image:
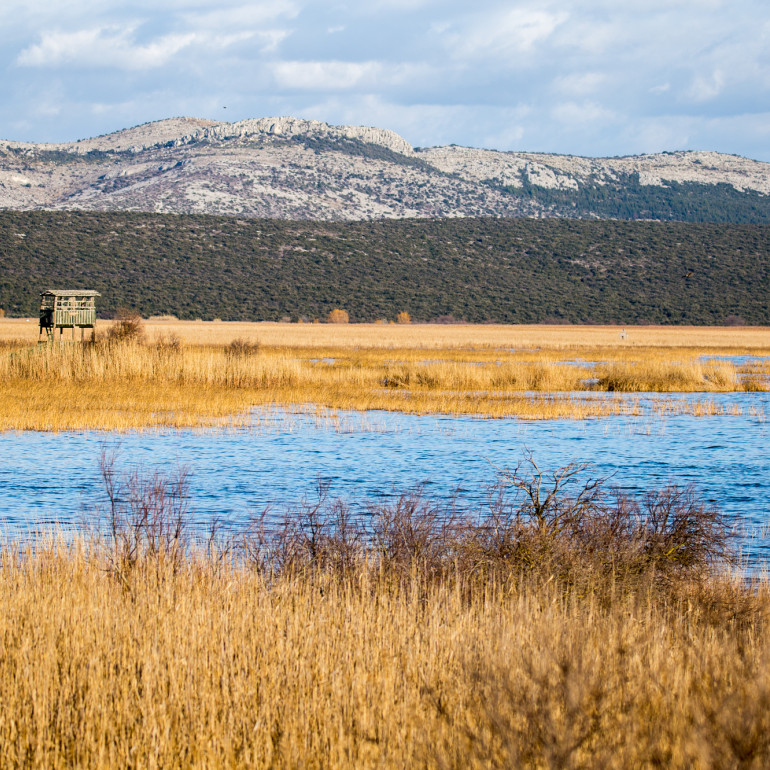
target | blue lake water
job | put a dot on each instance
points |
(47, 478)
(741, 360)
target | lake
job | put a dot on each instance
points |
(48, 478)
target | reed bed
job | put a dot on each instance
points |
(435, 336)
(214, 666)
(573, 630)
(119, 384)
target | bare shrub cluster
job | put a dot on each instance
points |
(559, 525)
(170, 344)
(241, 348)
(128, 327)
(147, 514)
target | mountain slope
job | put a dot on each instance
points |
(294, 169)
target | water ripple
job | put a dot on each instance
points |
(48, 477)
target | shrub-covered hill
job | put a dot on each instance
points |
(506, 270)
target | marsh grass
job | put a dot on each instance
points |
(131, 378)
(318, 644)
(530, 337)
(665, 376)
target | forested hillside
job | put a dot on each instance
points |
(506, 270)
(627, 198)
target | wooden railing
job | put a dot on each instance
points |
(78, 317)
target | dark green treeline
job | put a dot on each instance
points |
(476, 270)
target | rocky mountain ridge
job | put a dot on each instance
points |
(289, 168)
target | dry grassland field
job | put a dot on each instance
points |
(418, 336)
(569, 625)
(166, 372)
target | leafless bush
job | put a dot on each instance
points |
(544, 501)
(322, 535)
(560, 525)
(146, 517)
(679, 529)
(565, 524)
(410, 534)
(414, 532)
(170, 344)
(128, 327)
(534, 521)
(241, 348)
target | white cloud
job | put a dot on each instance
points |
(579, 114)
(426, 124)
(515, 31)
(509, 134)
(324, 75)
(47, 109)
(580, 83)
(271, 39)
(596, 76)
(116, 47)
(706, 87)
(242, 16)
(659, 134)
(101, 46)
(341, 75)
(397, 5)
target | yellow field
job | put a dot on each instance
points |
(207, 374)
(418, 336)
(207, 664)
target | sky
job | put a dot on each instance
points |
(583, 77)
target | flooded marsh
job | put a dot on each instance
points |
(259, 411)
(160, 379)
(369, 601)
(279, 457)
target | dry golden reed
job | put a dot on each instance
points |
(418, 336)
(211, 664)
(133, 386)
(173, 379)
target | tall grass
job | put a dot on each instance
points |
(119, 383)
(442, 336)
(317, 644)
(665, 376)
